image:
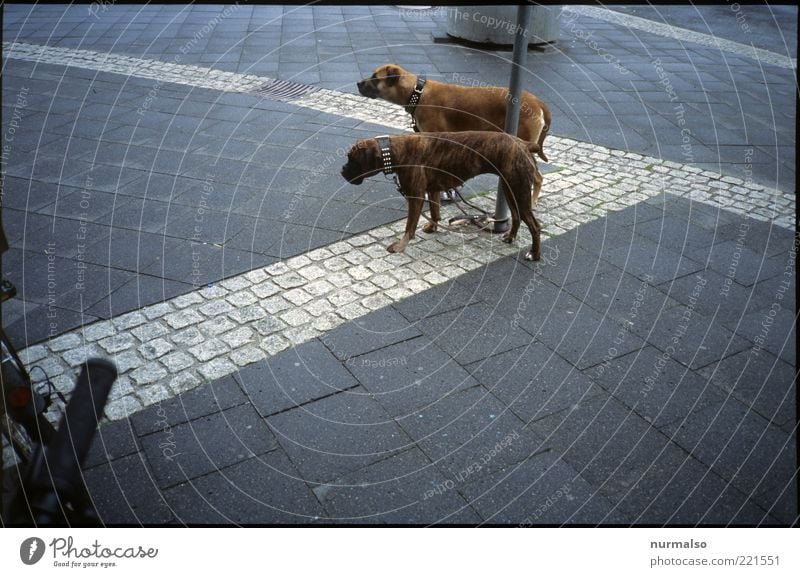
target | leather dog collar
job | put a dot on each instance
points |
(386, 153)
(411, 107)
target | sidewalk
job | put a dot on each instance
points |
(278, 366)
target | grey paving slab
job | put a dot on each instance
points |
(337, 435)
(470, 433)
(742, 447)
(111, 441)
(206, 444)
(623, 297)
(533, 381)
(651, 262)
(439, 299)
(408, 376)
(542, 490)
(293, 378)
(761, 381)
(265, 489)
(139, 291)
(214, 397)
(369, 333)
(280, 239)
(691, 338)
(693, 495)
(773, 329)
(125, 493)
(656, 387)
(619, 453)
(402, 489)
(473, 333)
(583, 336)
(749, 266)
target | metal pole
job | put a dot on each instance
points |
(501, 212)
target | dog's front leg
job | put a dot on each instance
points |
(414, 210)
(434, 200)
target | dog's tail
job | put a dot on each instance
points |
(543, 133)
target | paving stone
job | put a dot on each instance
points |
(206, 444)
(761, 381)
(294, 377)
(185, 381)
(263, 490)
(126, 361)
(274, 344)
(177, 361)
(156, 311)
(265, 289)
(65, 342)
(155, 349)
(149, 373)
(80, 355)
(613, 448)
(533, 381)
(368, 333)
(118, 343)
(216, 326)
(409, 375)
(123, 493)
(690, 338)
(248, 314)
(540, 490)
(111, 441)
(183, 319)
(150, 331)
(749, 266)
(186, 300)
(743, 448)
(199, 402)
(188, 337)
(338, 434)
(121, 408)
(247, 355)
(397, 490)
(208, 350)
(656, 387)
(473, 333)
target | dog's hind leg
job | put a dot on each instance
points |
(536, 231)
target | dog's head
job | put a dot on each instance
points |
(389, 82)
(363, 161)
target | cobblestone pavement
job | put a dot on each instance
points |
(177, 344)
(629, 211)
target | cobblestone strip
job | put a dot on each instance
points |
(684, 35)
(173, 346)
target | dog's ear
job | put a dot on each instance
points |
(393, 74)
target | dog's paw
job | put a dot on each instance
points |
(507, 238)
(429, 227)
(530, 256)
(397, 246)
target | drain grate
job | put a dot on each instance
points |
(284, 90)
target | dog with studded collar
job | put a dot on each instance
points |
(431, 162)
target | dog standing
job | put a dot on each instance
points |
(444, 107)
(431, 162)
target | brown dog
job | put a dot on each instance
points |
(431, 162)
(444, 107)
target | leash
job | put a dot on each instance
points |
(483, 221)
(411, 107)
